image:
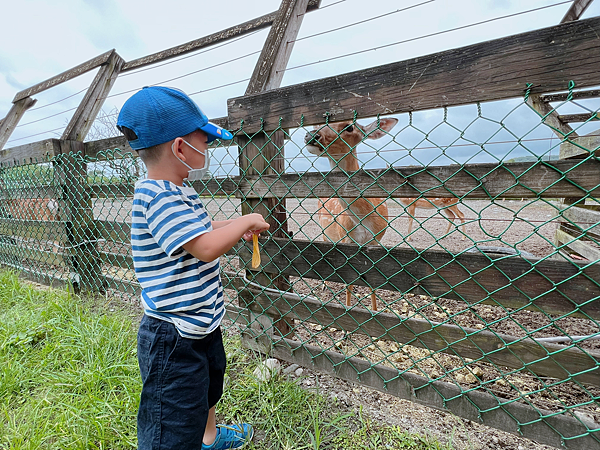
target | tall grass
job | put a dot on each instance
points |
(69, 380)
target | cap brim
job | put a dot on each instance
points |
(216, 132)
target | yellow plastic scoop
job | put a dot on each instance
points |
(255, 252)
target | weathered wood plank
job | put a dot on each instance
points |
(39, 277)
(570, 118)
(277, 49)
(495, 70)
(35, 151)
(563, 96)
(103, 149)
(92, 102)
(585, 219)
(65, 76)
(20, 252)
(514, 417)
(576, 10)
(30, 192)
(581, 146)
(542, 179)
(551, 286)
(209, 188)
(215, 38)
(9, 123)
(113, 231)
(47, 230)
(548, 360)
(551, 118)
(578, 246)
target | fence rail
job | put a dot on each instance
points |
(508, 337)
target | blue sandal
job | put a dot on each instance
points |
(231, 436)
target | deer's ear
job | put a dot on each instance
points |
(378, 129)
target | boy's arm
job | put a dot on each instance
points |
(221, 223)
(209, 246)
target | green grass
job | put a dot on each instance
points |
(69, 380)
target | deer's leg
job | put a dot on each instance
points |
(461, 216)
(373, 300)
(411, 215)
(349, 295)
(450, 215)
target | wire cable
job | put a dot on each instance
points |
(362, 21)
(426, 36)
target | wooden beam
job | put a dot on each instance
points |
(277, 49)
(580, 147)
(584, 218)
(543, 179)
(569, 118)
(495, 70)
(576, 10)
(35, 151)
(10, 122)
(88, 109)
(65, 76)
(545, 360)
(551, 286)
(578, 246)
(215, 38)
(577, 95)
(550, 117)
(558, 430)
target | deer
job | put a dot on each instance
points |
(361, 220)
(449, 206)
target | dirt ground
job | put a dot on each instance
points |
(528, 226)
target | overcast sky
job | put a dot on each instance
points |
(43, 38)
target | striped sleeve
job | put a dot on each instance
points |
(173, 222)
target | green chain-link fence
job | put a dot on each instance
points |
(495, 319)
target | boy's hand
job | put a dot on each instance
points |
(256, 225)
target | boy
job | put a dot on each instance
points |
(176, 250)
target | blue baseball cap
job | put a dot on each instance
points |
(159, 114)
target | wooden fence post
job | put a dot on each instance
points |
(76, 212)
(263, 154)
(10, 122)
(91, 104)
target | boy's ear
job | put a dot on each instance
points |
(177, 148)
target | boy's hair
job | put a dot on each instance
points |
(149, 155)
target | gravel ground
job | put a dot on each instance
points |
(529, 226)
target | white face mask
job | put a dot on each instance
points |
(194, 174)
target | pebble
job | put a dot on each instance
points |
(267, 370)
(299, 372)
(290, 369)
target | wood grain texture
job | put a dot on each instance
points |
(479, 406)
(36, 151)
(576, 10)
(499, 69)
(10, 122)
(65, 76)
(549, 360)
(92, 102)
(277, 49)
(554, 179)
(552, 286)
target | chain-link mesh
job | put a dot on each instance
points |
(499, 308)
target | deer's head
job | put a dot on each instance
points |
(339, 139)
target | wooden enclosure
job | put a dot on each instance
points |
(535, 64)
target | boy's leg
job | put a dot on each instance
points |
(210, 432)
(175, 400)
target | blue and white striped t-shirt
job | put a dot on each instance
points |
(176, 286)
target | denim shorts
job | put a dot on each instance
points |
(182, 379)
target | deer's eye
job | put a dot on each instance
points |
(349, 128)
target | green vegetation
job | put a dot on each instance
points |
(69, 380)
